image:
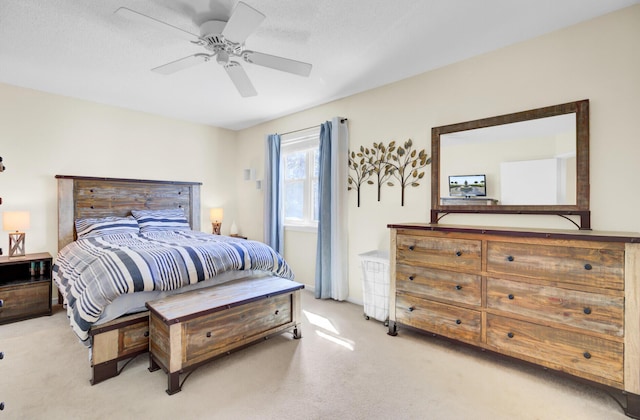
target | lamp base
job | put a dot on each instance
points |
(216, 228)
(16, 244)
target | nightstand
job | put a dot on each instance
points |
(25, 287)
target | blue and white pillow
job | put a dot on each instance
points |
(161, 220)
(99, 226)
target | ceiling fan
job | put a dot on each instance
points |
(224, 41)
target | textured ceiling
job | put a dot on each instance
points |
(82, 49)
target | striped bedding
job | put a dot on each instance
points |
(92, 272)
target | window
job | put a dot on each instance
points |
(300, 159)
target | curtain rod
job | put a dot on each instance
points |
(342, 120)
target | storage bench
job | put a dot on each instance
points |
(192, 328)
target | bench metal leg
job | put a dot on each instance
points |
(104, 371)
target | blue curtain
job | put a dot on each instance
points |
(332, 251)
(323, 253)
(273, 227)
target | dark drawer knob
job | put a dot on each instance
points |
(510, 334)
(1, 355)
(411, 308)
(588, 267)
(587, 311)
(1, 303)
(510, 258)
(458, 287)
(458, 321)
(412, 247)
(1, 406)
(146, 333)
(458, 253)
(277, 312)
(586, 355)
(510, 296)
(208, 334)
(411, 278)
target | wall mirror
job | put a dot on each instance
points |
(530, 162)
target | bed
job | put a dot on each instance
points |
(124, 242)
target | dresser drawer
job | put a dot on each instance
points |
(25, 300)
(582, 266)
(447, 320)
(461, 254)
(581, 355)
(205, 336)
(439, 284)
(591, 311)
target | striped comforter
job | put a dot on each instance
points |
(90, 273)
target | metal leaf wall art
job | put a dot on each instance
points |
(382, 163)
(360, 166)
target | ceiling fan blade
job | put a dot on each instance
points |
(243, 21)
(148, 20)
(279, 63)
(181, 64)
(240, 79)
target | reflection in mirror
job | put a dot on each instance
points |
(530, 162)
(525, 163)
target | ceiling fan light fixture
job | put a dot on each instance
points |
(222, 58)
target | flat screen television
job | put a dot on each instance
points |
(467, 185)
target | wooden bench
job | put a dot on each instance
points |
(192, 328)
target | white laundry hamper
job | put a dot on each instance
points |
(375, 284)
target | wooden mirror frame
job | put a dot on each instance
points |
(580, 209)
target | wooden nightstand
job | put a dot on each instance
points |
(25, 287)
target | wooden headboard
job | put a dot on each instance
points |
(81, 196)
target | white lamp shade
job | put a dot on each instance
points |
(15, 221)
(216, 214)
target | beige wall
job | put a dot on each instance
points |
(596, 60)
(42, 135)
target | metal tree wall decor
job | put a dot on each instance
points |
(401, 162)
(406, 163)
(380, 156)
(360, 165)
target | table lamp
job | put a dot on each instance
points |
(16, 222)
(216, 219)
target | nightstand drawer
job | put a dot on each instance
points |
(25, 300)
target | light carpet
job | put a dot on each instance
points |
(344, 367)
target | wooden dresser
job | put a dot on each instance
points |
(565, 300)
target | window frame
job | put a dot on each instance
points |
(309, 141)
